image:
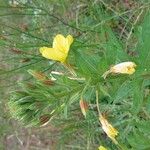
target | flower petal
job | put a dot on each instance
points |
(54, 54)
(102, 148)
(61, 44)
(42, 49)
(131, 70)
(70, 39)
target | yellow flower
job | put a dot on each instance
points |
(108, 129)
(122, 68)
(102, 148)
(59, 50)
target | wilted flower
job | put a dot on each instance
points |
(122, 68)
(102, 148)
(60, 49)
(125, 68)
(84, 107)
(108, 129)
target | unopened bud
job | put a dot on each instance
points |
(84, 107)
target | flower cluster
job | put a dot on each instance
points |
(59, 52)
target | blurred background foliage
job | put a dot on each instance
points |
(106, 33)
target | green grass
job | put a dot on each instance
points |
(105, 33)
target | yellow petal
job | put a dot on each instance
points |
(102, 148)
(42, 49)
(54, 54)
(70, 39)
(61, 44)
(130, 70)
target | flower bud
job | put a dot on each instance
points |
(84, 107)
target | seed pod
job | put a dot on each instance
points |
(24, 60)
(38, 75)
(44, 119)
(16, 51)
(48, 82)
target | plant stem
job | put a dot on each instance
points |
(97, 104)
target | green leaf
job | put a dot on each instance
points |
(143, 46)
(144, 127)
(148, 105)
(113, 49)
(87, 64)
(137, 96)
(123, 91)
(139, 141)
